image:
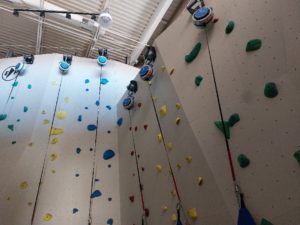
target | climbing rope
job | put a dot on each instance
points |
(229, 155)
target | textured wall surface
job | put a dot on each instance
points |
(64, 177)
(269, 127)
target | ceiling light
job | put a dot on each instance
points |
(105, 19)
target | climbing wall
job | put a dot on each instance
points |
(267, 133)
(162, 134)
(60, 157)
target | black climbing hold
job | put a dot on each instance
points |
(233, 119)
(243, 160)
(297, 156)
(193, 54)
(225, 131)
(253, 45)
(198, 80)
(271, 90)
(265, 222)
(229, 27)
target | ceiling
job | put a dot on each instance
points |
(136, 23)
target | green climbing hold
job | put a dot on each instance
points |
(225, 131)
(11, 127)
(243, 160)
(193, 54)
(271, 90)
(13, 142)
(15, 84)
(233, 119)
(3, 117)
(265, 222)
(198, 80)
(29, 86)
(253, 45)
(297, 156)
(25, 109)
(229, 27)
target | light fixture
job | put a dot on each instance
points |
(105, 19)
(68, 16)
(16, 12)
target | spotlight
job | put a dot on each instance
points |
(28, 59)
(68, 16)
(16, 12)
(105, 19)
(42, 14)
(93, 17)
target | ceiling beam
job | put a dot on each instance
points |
(153, 24)
(39, 31)
(96, 34)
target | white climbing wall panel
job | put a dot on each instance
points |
(269, 128)
(73, 169)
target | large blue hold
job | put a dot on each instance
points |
(120, 121)
(108, 154)
(110, 221)
(104, 81)
(91, 127)
(96, 194)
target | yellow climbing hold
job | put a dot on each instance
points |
(189, 159)
(54, 141)
(163, 110)
(23, 185)
(173, 193)
(66, 99)
(56, 131)
(53, 156)
(170, 146)
(54, 82)
(61, 115)
(178, 120)
(192, 212)
(47, 217)
(178, 105)
(44, 112)
(29, 203)
(150, 82)
(30, 144)
(45, 122)
(164, 208)
(163, 68)
(200, 180)
(178, 166)
(154, 98)
(53, 171)
(172, 71)
(158, 168)
(174, 217)
(159, 137)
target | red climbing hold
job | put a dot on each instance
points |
(143, 169)
(215, 20)
(131, 198)
(130, 128)
(140, 105)
(145, 126)
(132, 153)
(138, 156)
(147, 212)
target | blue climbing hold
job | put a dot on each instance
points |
(78, 150)
(108, 107)
(91, 127)
(108, 154)
(3, 117)
(79, 119)
(86, 108)
(97, 103)
(77, 175)
(120, 121)
(110, 221)
(96, 194)
(87, 90)
(87, 81)
(104, 81)
(75, 210)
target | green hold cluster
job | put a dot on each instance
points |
(233, 119)
(253, 45)
(198, 80)
(265, 222)
(225, 130)
(243, 161)
(271, 90)
(193, 54)
(3, 117)
(229, 27)
(297, 156)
